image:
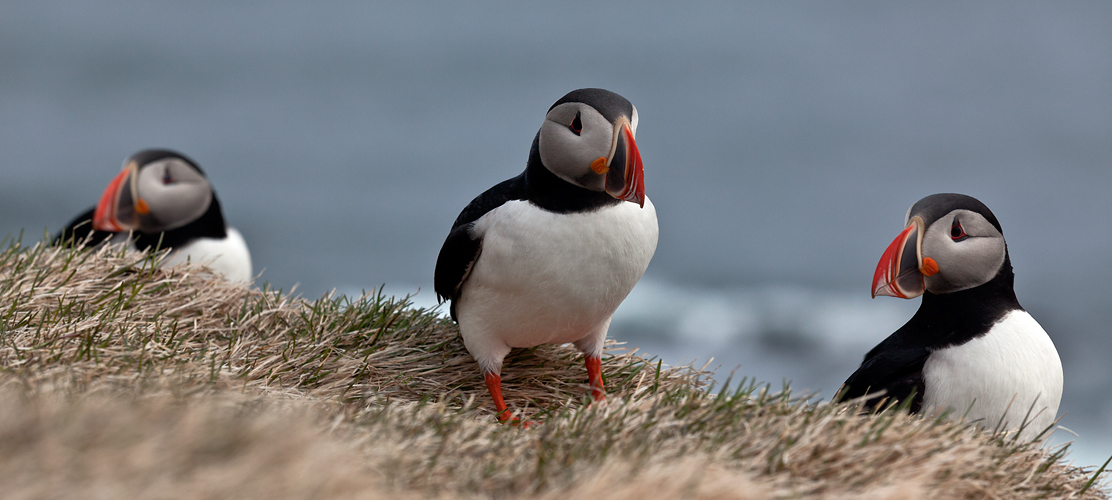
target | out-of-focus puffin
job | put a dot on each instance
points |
(162, 199)
(547, 256)
(971, 347)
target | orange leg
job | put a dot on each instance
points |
(594, 377)
(494, 384)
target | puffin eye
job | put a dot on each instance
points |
(166, 178)
(576, 125)
(957, 232)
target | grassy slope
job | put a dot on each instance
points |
(120, 379)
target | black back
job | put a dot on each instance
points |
(538, 186)
(896, 364)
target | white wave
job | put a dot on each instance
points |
(775, 315)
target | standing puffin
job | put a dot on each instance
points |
(970, 349)
(165, 201)
(547, 256)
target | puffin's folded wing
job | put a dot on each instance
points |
(461, 249)
(896, 370)
(459, 253)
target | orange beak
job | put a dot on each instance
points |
(116, 210)
(625, 175)
(901, 269)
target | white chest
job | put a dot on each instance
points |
(228, 256)
(544, 277)
(999, 376)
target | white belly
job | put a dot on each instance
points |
(1012, 369)
(228, 256)
(544, 277)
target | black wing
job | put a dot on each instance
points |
(894, 366)
(461, 249)
(78, 229)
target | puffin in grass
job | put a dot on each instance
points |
(161, 199)
(971, 349)
(547, 256)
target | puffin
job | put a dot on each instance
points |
(547, 256)
(970, 350)
(162, 199)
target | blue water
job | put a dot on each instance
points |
(783, 143)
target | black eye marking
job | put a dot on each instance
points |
(576, 125)
(957, 232)
(166, 178)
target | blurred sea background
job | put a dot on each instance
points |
(783, 142)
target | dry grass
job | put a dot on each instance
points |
(126, 380)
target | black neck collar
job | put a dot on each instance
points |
(950, 319)
(209, 225)
(548, 191)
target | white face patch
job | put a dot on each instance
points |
(175, 192)
(964, 261)
(568, 155)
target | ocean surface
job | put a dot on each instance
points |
(783, 142)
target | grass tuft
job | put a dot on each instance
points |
(131, 380)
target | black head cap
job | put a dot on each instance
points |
(607, 103)
(152, 155)
(932, 207)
